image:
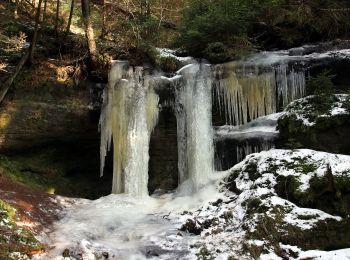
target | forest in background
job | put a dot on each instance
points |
(216, 30)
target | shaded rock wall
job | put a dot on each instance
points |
(163, 165)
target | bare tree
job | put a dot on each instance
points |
(35, 36)
(70, 17)
(28, 56)
(44, 12)
(17, 3)
(57, 17)
(103, 30)
(89, 32)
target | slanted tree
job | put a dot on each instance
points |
(57, 17)
(28, 56)
(44, 12)
(89, 32)
(70, 17)
(35, 35)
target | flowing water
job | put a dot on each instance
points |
(132, 225)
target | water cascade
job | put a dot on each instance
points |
(128, 116)
(195, 132)
(242, 91)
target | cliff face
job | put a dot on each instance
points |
(49, 132)
(163, 164)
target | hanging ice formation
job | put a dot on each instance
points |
(130, 113)
(128, 116)
(247, 148)
(194, 127)
(245, 91)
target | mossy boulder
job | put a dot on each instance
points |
(312, 123)
(296, 198)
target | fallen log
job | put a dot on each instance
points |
(7, 84)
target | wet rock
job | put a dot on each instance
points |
(192, 226)
(66, 253)
(217, 203)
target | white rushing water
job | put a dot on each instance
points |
(120, 226)
(193, 103)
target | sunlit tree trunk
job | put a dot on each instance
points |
(89, 32)
(44, 12)
(70, 17)
(35, 36)
(103, 31)
(16, 9)
(57, 17)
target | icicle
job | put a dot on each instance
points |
(246, 94)
(129, 114)
(247, 148)
(248, 91)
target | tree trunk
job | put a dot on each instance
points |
(89, 32)
(103, 31)
(16, 9)
(35, 36)
(70, 17)
(7, 84)
(57, 16)
(148, 8)
(44, 12)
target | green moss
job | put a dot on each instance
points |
(325, 235)
(18, 171)
(328, 193)
(255, 205)
(216, 52)
(12, 237)
(253, 250)
(55, 169)
(306, 217)
(252, 169)
(327, 133)
(168, 64)
(204, 254)
(6, 211)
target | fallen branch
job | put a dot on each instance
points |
(6, 86)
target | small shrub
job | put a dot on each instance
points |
(168, 64)
(321, 85)
(346, 104)
(216, 52)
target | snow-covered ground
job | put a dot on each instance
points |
(302, 109)
(216, 222)
(265, 127)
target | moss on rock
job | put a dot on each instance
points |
(15, 241)
(315, 124)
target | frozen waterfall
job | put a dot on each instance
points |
(195, 131)
(128, 116)
(246, 91)
(241, 91)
